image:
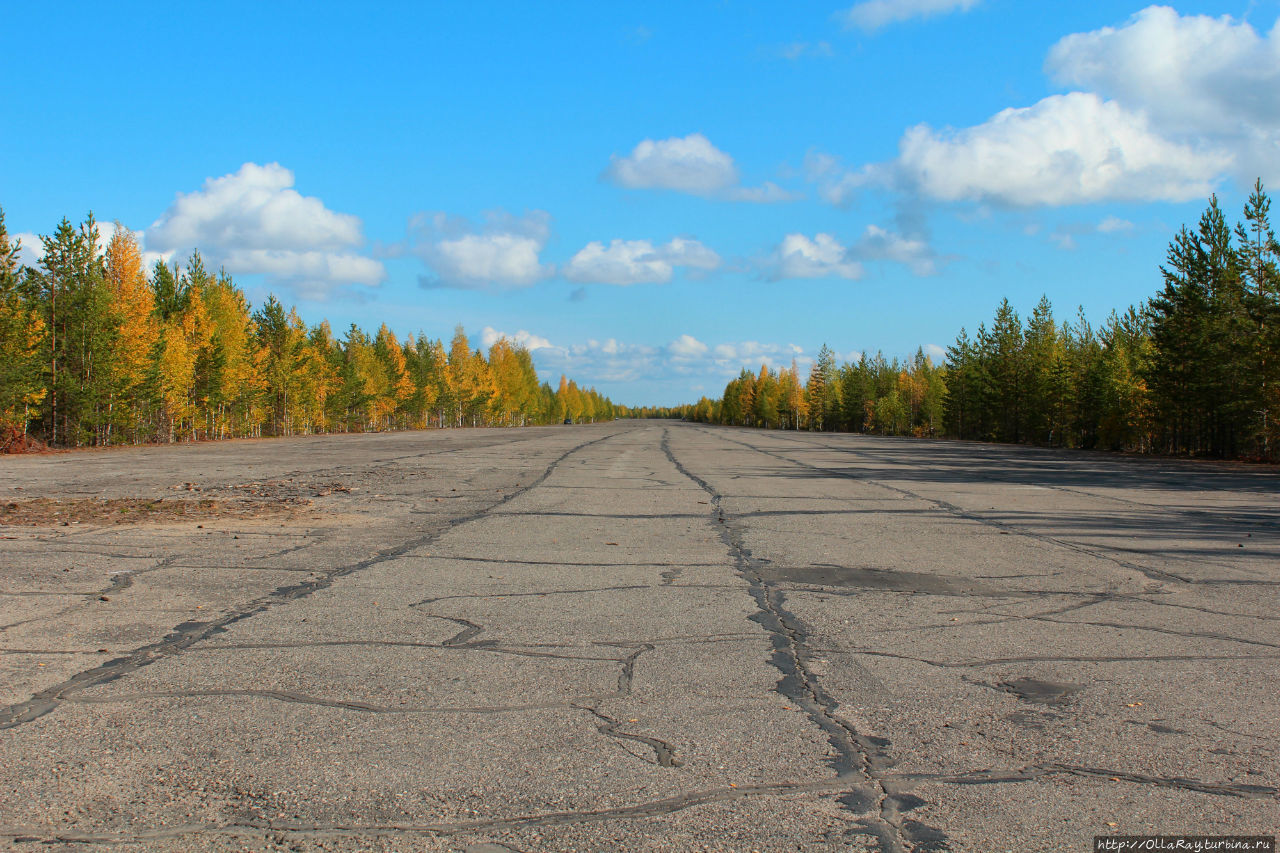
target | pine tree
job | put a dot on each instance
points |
(1258, 256)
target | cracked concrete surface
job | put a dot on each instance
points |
(639, 636)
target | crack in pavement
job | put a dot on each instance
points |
(1033, 772)
(185, 635)
(345, 704)
(959, 512)
(404, 644)
(1022, 531)
(505, 561)
(990, 477)
(486, 595)
(1049, 768)
(639, 811)
(120, 581)
(972, 664)
(860, 756)
(663, 753)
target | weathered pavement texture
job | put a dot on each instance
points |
(639, 636)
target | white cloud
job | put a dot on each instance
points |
(877, 244)
(935, 352)
(825, 257)
(871, 15)
(766, 193)
(490, 336)
(305, 268)
(686, 164)
(1198, 72)
(1195, 76)
(476, 259)
(503, 253)
(686, 347)
(1114, 224)
(730, 358)
(689, 164)
(611, 360)
(1065, 234)
(253, 221)
(836, 184)
(1067, 149)
(1169, 106)
(637, 261)
(30, 248)
(822, 257)
(254, 208)
(604, 361)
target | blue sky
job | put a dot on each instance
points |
(650, 195)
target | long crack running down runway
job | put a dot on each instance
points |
(634, 636)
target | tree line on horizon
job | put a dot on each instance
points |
(97, 350)
(1194, 370)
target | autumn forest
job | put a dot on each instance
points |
(97, 350)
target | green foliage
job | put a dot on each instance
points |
(1195, 370)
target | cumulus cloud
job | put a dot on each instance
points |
(1194, 75)
(30, 248)
(609, 360)
(824, 256)
(490, 336)
(1067, 149)
(878, 244)
(871, 15)
(835, 182)
(502, 253)
(253, 221)
(687, 355)
(1167, 106)
(313, 266)
(821, 257)
(687, 346)
(1114, 224)
(254, 208)
(730, 358)
(688, 164)
(1194, 71)
(626, 262)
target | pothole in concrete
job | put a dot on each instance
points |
(1040, 692)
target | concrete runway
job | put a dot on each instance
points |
(637, 636)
